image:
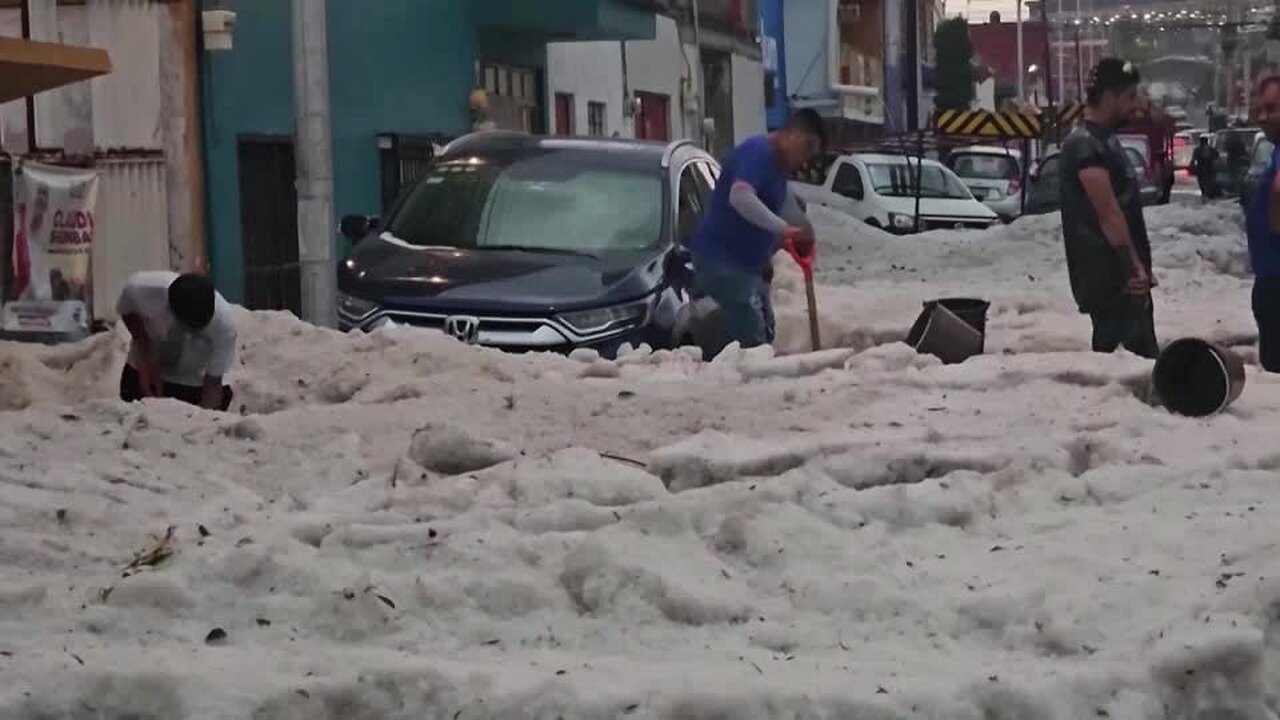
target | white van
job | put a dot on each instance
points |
(880, 190)
(993, 174)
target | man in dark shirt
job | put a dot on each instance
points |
(1262, 223)
(1108, 253)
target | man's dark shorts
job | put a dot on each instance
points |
(131, 390)
(1127, 322)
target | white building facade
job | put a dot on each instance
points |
(660, 89)
(139, 123)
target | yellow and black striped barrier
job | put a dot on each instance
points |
(983, 123)
(1071, 112)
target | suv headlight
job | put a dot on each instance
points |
(590, 322)
(899, 221)
(354, 307)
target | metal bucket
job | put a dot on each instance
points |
(1197, 378)
(951, 329)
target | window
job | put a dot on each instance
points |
(569, 201)
(848, 182)
(564, 114)
(693, 193)
(595, 119)
(984, 166)
(899, 180)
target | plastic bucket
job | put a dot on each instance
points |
(1197, 378)
(951, 329)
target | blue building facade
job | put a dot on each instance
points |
(400, 72)
(773, 30)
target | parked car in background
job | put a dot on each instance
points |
(1259, 160)
(1151, 192)
(1044, 188)
(993, 175)
(880, 190)
(1151, 171)
(1228, 177)
(1184, 146)
(532, 243)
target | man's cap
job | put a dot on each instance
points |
(1112, 74)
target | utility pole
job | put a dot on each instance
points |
(1062, 41)
(1048, 70)
(313, 149)
(1022, 62)
(913, 65)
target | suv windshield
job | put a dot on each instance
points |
(562, 201)
(899, 180)
(983, 166)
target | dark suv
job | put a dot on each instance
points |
(524, 242)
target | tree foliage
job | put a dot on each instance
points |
(954, 77)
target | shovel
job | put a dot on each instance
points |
(806, 266)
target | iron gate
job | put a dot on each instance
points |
(269, 223)
(404, 159)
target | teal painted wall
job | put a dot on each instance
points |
(248, 90)
(406, 68)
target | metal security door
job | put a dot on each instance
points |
(269, 224)
(653, 122)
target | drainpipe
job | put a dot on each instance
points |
(699, 89)
(314, 150)
(626, 90)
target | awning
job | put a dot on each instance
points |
(28, 67)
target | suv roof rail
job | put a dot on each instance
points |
(464, 140)
(672, 147)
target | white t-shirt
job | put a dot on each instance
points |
(185, 357)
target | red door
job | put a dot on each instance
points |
(564, 114)
(654, 120)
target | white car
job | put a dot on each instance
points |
(880, 190)
(993, 174)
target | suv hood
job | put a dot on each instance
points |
(396, 275)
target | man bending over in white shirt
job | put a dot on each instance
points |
(184, 340)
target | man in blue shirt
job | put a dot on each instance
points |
(751, 214)
(1262, 223)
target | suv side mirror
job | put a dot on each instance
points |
(677, 268)
(356, 227)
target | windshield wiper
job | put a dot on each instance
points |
(528, 249)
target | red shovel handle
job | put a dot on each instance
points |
(804, 261)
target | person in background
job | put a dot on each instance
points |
(752, 213)
(1105, 234)
(184, 340)
(1237, 161)
(1203, 162)
(1262, 225)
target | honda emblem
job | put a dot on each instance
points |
(463, 328)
